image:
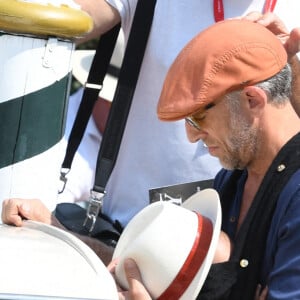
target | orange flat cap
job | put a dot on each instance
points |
(226, 56)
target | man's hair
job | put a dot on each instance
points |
(279, 86)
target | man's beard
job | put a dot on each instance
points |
(241, 144)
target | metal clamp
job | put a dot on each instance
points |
(63, 178)
(49, 52)
(95, 205)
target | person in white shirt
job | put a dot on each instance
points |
(153, 153)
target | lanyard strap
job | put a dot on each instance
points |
(219, 8)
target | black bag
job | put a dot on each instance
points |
(91, 221)
(72, 216)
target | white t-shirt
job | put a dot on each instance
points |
(155, 153)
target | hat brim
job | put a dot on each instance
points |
(207, 203)
(38, 249)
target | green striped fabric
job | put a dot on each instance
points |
(33, 123)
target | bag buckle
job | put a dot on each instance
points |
(94, 207)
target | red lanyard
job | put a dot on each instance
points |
(219, 8)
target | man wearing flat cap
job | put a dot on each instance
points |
(232, 85)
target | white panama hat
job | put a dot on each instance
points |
(173, 246)
(39, 261)
(82, 60)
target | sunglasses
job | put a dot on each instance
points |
(194, 120)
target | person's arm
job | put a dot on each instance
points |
(14, 211)
(291, 42)
(224, 248)
(104, 17)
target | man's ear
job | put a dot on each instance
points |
(256, 98)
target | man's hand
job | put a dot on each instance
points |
(290, 40)
(137, 290)
(292, 44)
(15, 210)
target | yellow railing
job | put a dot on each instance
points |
(25, 17)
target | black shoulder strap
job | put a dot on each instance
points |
(91, 91)
(123, 96)
(129, 73)
(119, 110)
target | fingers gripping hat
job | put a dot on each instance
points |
(173, 246)
(226, 56)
